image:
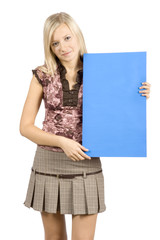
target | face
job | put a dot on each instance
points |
(64, 44)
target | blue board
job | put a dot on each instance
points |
(114, 112)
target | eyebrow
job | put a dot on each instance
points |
(63, 37)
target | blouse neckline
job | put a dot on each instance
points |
(70, 96)
(62, 71)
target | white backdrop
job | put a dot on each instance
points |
(131, 184)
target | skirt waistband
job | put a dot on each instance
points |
(65, 175)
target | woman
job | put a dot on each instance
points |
(64, 179)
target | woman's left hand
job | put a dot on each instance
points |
(146, 92)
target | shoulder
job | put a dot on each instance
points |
(42, 74)
(40, 69)
(45, 71)
(38, 74)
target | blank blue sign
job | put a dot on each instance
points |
(114, 112)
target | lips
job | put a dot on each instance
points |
(66, 53)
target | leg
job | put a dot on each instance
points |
(83, 226)
(54, 226)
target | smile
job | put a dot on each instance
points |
(65, 54)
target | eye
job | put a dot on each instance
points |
(68, 37)
(55, 44)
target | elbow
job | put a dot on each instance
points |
(24, 129)
(21, 130)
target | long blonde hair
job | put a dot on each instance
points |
(51, 23)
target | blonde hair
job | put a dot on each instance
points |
(51, 23)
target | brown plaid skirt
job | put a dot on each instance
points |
(79, 195)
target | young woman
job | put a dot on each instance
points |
(64, 179)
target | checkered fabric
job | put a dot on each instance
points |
(80, 195)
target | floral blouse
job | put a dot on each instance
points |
(63, 107)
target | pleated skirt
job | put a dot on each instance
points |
(79, 195)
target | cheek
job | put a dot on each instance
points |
(75, 45)
(54, 51)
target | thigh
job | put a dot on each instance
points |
(83, 226)
(54, 225)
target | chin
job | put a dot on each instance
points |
(69, 58)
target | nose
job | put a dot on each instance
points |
(63, 46)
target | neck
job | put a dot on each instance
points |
(73, 65)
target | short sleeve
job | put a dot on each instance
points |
(38, 75)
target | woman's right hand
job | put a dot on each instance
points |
(73, 149)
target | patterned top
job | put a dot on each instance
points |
(63, 107)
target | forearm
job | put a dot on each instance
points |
(41, 137)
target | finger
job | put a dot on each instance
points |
(146, 87)
(80, 157)
(84, 155)
(145, 95)
(83, 148)
(81, 153)
(146, 83)
(144, 91)
(74, 157)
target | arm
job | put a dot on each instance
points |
(30, 110)
(72, 149)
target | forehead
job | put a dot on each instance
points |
(60, 32)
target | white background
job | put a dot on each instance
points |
(131, 184)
